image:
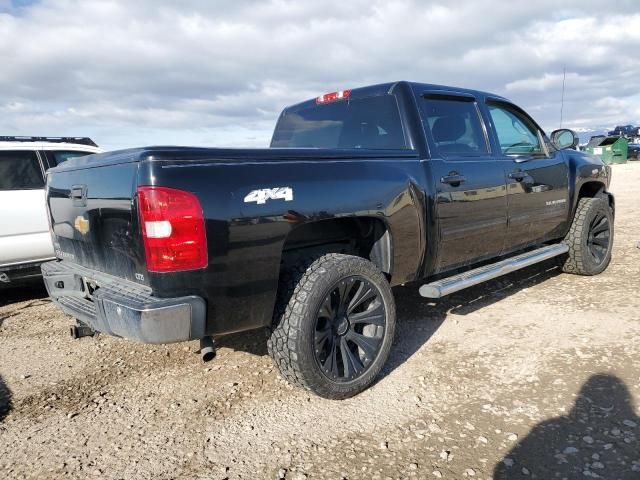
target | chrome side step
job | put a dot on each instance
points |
(461, 281)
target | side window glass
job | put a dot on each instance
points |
(20, 170)
(515, 133)
(455, 126)
(60, 156)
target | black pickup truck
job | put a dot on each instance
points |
(361, 190)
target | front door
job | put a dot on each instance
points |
(469, 182)
(537, 178)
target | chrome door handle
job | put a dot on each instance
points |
(453, 180)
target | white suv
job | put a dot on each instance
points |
(25, 241)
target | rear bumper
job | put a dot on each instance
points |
(122, 308)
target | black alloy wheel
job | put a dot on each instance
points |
(349, 329)
(334, 325)
(599, 237)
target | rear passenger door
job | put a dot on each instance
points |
(537, 177)
(24, 235)
(468, 181)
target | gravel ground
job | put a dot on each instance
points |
(535, 375)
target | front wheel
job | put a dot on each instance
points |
(590, 238)
(334, 325)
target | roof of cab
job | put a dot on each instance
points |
(422, 88)
(387, 88)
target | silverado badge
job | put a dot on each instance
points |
(81, 224)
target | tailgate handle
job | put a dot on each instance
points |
(79, 195)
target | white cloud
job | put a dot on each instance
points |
(218, 73)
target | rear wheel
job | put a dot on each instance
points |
(590, 238)
(334, 325)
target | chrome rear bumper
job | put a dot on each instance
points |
(122, 308)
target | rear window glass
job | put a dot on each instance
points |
(372, 123)
(60, 156)
(455, 126)
(20, 170)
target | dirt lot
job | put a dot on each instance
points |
(536, 375)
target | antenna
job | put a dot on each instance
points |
(564, 77)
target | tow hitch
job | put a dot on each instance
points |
(80, 330)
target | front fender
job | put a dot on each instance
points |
(589, 176)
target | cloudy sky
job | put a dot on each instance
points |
(131, 73)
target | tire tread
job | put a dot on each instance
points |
(575, 261)
(285, 340)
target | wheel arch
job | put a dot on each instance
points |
(368, 237)
(592, 189)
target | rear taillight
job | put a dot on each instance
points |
(172, 229)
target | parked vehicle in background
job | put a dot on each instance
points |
(634, 151)
(362, 189)
(630, 132)
(25, 241)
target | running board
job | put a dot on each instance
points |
(461, 281)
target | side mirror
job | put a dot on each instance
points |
(564, 138)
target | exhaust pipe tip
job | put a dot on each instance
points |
(207, 349)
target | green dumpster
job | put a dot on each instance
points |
(611, 149)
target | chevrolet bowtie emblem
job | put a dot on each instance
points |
(81, 224)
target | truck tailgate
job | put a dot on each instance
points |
(93, 218)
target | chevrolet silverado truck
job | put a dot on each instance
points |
(360, 190)
(25, 241)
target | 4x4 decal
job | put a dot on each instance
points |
(261, 196)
